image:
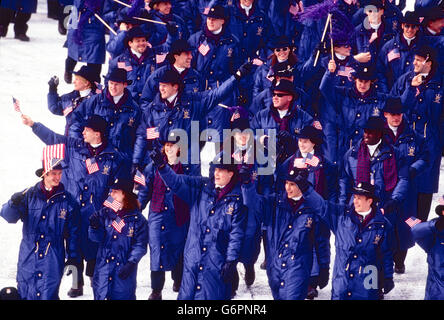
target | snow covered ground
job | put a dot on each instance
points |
(25, 69)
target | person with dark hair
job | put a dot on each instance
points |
(93, 163)
(217, 227)
(51, 230)
(84, 88)
(121, 232)
(421, 94)
(168, 221)
(430, 237)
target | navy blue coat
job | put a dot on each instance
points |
(115, 250)
(166, 237)
(190, 109)
(192, 82)
(65, 104)
(138, 70)
(432, 241)
(92, 47)
(383, 152)
(89, 190)
(353, 110)
(47, 224)
(25, 6)
(357, 248)
(424, 115)
(414, 154)
(123, 119)
(193, 12)
(215, 235)
(159, 33)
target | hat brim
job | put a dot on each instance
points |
(363, 192)
(128, 82)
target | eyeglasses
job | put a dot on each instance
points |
(280, 95)
(410, 26)
(281, 49)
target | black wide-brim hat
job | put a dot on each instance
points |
(393, 105)
(292, 174)
(87, 73)
(365, 72)
(177, 47)
(426, 52)
(118, 75)
(365, 189)
(217, 12)
(125, 184)
(374, 123)
(135, 32)
(170, 76)
(225, 161)
(310, 132)
(60, 166)
(285, 86)
(280, 42)
(411, 17)
(153, 2)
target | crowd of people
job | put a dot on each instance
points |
(325, 116)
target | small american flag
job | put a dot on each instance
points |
(140, 178)
(112, 204)
(160, 58)
(393, 54)
(152, 133)
(206, 10)
(16, 104)
(122, 65)
(67, 111)
(345, 71)
(204, 48)
(312, 160)
(53, 154)
(118, 224)
(412, 221)
(257, 62)
(91, 165)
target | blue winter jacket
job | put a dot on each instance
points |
(25, 6)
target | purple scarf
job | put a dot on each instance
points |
(49, 194)
(227, 189)
(295, 204)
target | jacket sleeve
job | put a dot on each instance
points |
(328, 88)
(424, 234)
(97, 235)
(383, 69)
(345, 182)
(237, 232)
(140, 144)
(139, 244)
(55, 103)
(322, 244)
(329, 212)
(423, 155)
(50, 137)
(185, 187)
(210, 98)
(402, 187)
(12, 213)
(115, 45)
(72, 231)
(146, 192)
(79, 116)
(387, 248)
(149, 91)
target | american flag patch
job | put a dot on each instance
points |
(118, 224)
(152, 133)
(122, 65)
(140, 178)
(67, 111)
(412, 221)
(393, 54)
(204, 48)
(112, 204)
(91, 165)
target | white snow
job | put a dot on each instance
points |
(25, 69)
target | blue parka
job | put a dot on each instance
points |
(25, 6)
(215, 235)
(358, 247)
(47, 224)
(91, 49)
(115, 250)
(432, 241)
(424, 106)
(123, 119)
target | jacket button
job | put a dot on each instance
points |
(289, 226)
(284, 265)
(349, 294)
(43, 217)
(162, 227)
(351, 275)
(162, 246)
(208, 230)
(200, 267)
(198, 287)
(166, 208)
(161, 266)
(282, 283)
(355, 256)
(114, 237)
(110, 278)
(204, 249)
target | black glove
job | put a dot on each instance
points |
(391, 206)
(157, 157)
(172, 28)
(285, 138)
(245, 174)
(244, 70)
(388, 285)
(17, 198)
(126, 270)
(301, 180)
(322, 47)
(228, 270)
(72, 262)
(324, 274)
(134, 169)
(53, 83)
(412, 173)
(94, 220)
(439, 224)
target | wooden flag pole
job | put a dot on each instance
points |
(223, 106)
(322, 39)
(149, 20)
(122, 3)
(56, 163)
(331, 39)
(105, 24)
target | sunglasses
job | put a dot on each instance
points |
(281, 49)
(280, 95)
(410, 26)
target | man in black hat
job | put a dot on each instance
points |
(364, 240)
(116, 105)
(397, 55)
(354, 105)
(93, 164)
(433, 22)
(414, 153)
(179, 59)
(421, 94)
(85, 86)
(138, 59)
